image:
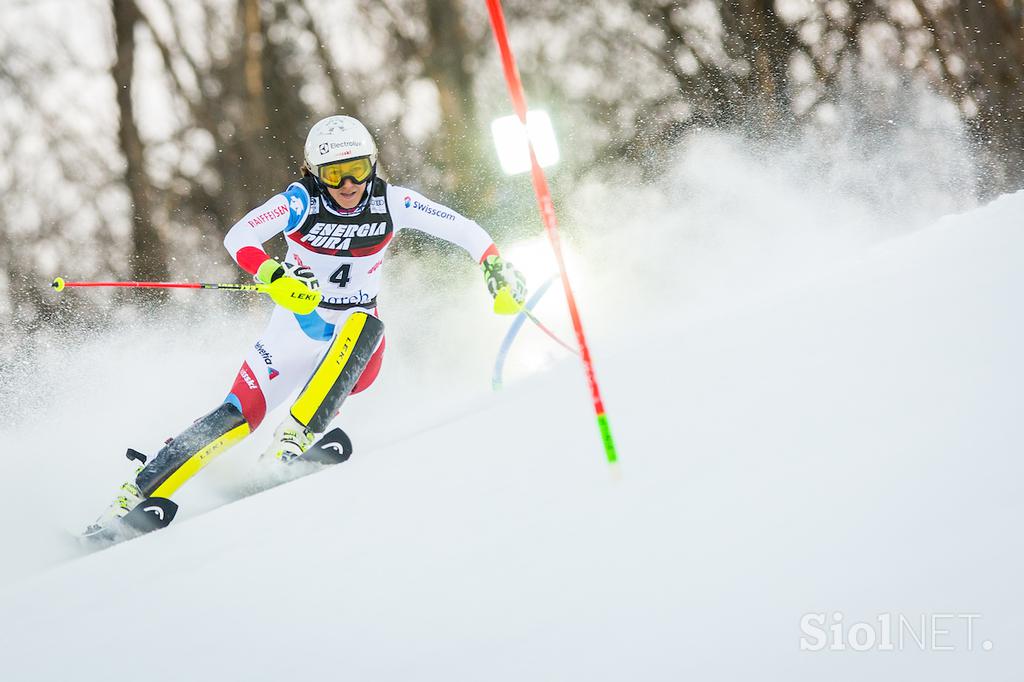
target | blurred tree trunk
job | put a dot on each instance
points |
(254, 40)
(765, 43)
(149, 258)
(989, 40)
(465, 170)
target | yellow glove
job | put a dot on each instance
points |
(506, 284)
(291, 286)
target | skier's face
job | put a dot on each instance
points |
(349, 194)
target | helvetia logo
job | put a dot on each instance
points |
(408, 201)
(272, 372)
(264, 353)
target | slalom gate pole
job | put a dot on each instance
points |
(59, 284)
(547, 212)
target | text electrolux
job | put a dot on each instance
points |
(326, 147)
(445, 215)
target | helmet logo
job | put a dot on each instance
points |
(408, 201)
(336, 138)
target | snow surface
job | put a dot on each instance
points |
(851, 444)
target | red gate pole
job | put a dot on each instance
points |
(547, 212)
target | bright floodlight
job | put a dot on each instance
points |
(510, 139)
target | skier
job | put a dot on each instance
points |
(323, 335)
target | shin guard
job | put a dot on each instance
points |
(196, 447)
(338, 372)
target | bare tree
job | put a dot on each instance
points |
(149, 258)
(979, 63)
(57, 181)
(241, 81)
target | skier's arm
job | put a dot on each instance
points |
(290, 286)
(412, 210)
(281, 213)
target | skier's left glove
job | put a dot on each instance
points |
(506, 284)
(291, 286)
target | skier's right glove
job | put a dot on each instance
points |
(291, 286)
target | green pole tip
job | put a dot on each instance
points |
(606, 437)
(58, 284)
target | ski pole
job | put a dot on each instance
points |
(294, 295)
(540, 325)
(60, 284)
(507, 301)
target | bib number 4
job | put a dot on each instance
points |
(341, 276)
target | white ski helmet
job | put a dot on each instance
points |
(338, 138)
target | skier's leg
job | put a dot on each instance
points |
(273, 368)
(356, 344)
(372, 369)
(176, 462)
(339, 370)
(194, 448)
(278, 363)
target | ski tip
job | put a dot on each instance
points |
(96, 537)
(151, 514)
(334, 447)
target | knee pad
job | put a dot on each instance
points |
(338, 372)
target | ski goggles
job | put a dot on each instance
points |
(334, 174)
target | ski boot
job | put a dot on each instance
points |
(125, 518)
(291, 440)
(104, 528)
(297, 446)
